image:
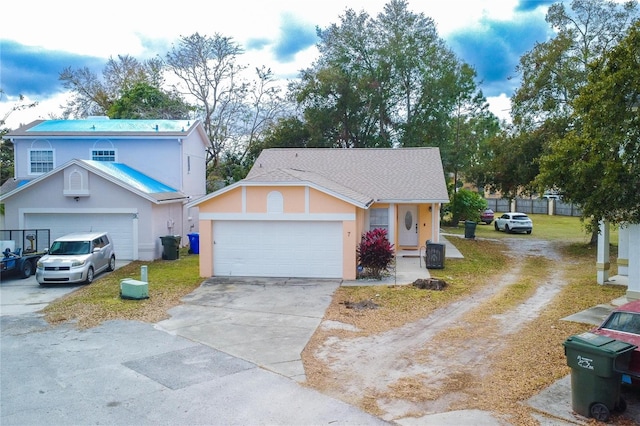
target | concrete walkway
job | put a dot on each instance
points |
(409, 266)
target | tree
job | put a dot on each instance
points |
(391, 81)
(472, 126)
(467, 205)
(341, 94)
(553, 73)
(287, 132)
(208, 71)
(144, 101)
(597, 164)
(6, 147)
(94, 95)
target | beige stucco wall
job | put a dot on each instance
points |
(427, 229)
(229, 202)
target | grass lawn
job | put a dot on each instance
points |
(553, 228)
(169, 281)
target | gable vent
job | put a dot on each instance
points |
(76, 182)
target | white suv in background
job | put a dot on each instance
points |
(76, 258)
(514, 222)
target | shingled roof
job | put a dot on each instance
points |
(410, 175)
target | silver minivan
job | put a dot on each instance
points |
(76, 258)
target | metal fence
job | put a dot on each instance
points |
(534, 206)
(27, 240)
(498, 204)
(567, 209)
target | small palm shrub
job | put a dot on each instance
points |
(375, 252)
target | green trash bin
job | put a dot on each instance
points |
(597, 363)
(171, 247)
(470, 229)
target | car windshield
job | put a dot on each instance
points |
(521, 217)
(70, 247)
(627, 322)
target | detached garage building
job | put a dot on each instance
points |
(302, 212)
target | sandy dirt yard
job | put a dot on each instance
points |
(436, 364)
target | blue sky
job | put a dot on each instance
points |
(491, 35)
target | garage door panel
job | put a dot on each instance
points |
(119, 226)
(278, 249)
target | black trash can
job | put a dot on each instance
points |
(597, 363)
(171, 247)
(470, 229)
(435, 255)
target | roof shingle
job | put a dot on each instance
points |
(384, 175)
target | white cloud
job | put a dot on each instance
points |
(500, 106)
(120, 26)
(105, 29)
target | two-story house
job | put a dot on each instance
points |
(131, 178)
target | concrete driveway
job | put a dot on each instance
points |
(24, 295)
(267, 321)
(20, 296)
(227, 359)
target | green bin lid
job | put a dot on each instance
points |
(603, 343)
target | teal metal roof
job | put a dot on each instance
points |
(101, 125)
(130, 176)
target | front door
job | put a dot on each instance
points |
(408, 225)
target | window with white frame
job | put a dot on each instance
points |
(379, 218)
(103, 155)
(40, 161)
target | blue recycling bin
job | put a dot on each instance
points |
(194, 243)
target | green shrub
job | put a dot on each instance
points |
(467, 205)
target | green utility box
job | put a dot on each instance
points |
(171, 247)
(133, 289)
(597, 363)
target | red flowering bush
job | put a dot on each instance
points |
(375, 253)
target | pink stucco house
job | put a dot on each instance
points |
(302, 212)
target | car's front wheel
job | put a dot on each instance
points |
(89, 275)
(495, 225)
(112, 264)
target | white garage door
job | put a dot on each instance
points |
(277, 249)
(119, 226)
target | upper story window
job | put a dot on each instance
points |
(103, 150)
(379, 218)
(103, 155)
(40, 161)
